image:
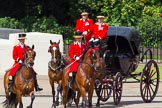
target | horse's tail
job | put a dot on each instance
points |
(11, 101)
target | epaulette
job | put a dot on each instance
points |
(96, 23)
(86, 19)
(17, 44)
(102, 23)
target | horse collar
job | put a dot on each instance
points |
(53, 68)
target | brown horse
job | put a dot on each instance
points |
(85, 78)
(55, 67)
(23, 82)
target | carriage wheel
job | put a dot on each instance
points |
(149, 82)
(117, 88)
(103, 92)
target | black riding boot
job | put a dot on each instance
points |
(10, 82)
(70, 80)
(37, 86)
(36, 82)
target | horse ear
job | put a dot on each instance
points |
(32, 46)
(51, 42)
(58, 41)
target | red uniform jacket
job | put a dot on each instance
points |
(75, 50)
(17, 54)
(100, 31)
(85, 25)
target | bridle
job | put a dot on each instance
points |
(92, 53)
(56, 61)
(28, 62)
(29, 57)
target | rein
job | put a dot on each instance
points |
(73, 62)
(90, 65)
(27, 65)
(53, 68)
(57, 67)
(26, 80)
(54, 60)
(89, 53)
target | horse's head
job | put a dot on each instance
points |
(96, 58)
(29, 56)
(55, 51)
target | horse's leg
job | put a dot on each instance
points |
(53, 92)
(65, 95)
(19, 99)
(98, 102)
(7, 100)
(59, 90)
(71, 97)
(98, 99)
(83, 94)
(90, 94)
(32, 100)
(61, 95)
(77, 99)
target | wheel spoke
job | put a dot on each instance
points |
(152, 83)
(149, 92)
(151, 88)
(144, 90)
(149, 81)
(117, 90)
(152, 74)
(154, 79)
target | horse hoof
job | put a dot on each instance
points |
(97, 105)
(8, 107)
(53, 106)
(61, 103)
(69, 105)
(57, 103)
(29, 107)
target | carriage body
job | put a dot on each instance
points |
(121, 53)
(122, 50)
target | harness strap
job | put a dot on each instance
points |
(53, 68)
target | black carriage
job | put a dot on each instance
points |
(121, 52)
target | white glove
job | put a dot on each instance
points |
(92, 39)
(77, 58)
(85, 32)
(29, 65)
(96, 40)
(20, 61)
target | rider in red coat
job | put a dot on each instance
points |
(100, 29)
(85, 25)
(75, 53)
(18, 56)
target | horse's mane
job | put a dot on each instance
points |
(28, 48)
(84, 53)
(87, 52)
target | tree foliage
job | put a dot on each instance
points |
(54, 16)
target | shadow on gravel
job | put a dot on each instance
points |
(122, 104)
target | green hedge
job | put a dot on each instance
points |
(34, 24)
(150, 28)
